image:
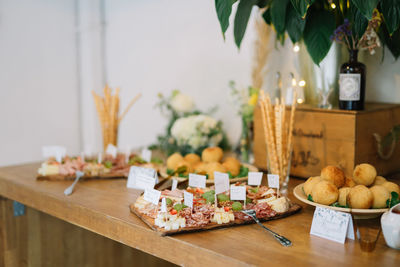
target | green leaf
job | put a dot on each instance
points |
(359, 22)
(366, 7)
(391, 14)
(294, 24)
(301, 6)
(263, 3)
(241, 19)
(224, 10)
(310, 198)
(320, 25)
(393, 200)
(278, 14)
(392, 42)
(267, 16)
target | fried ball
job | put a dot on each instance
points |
(173, 160)
(381, 195)
(360, 197)
(184, 163)
(392, 187)
(232, 165)
(324, 193)
(379, 180)
(212, 154)
(308, 185)
(343, 192)
(334, 175)
(364, 174)
(214, 167)
(200, 167)
(348, 182)
(192, 158)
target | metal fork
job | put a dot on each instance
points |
(70, 189)
(283, 240)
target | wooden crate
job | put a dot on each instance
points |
(335, 137)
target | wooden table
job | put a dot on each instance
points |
(101, 206)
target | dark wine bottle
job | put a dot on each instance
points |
(352, 83)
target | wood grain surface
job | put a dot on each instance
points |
(102, 206)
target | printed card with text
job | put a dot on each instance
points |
(58, 152)
(273, 180)
(255, 178)
(152, 195)
(196, 180)
(141, 178)
(332, 225)
(174, 184)
(163, 205)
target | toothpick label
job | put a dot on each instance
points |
(163, 205)
(188, 199)
(238, 192)
(111, 150)
(255, 178)
(146, 154)
(273, 181)
(174, 184)
(58, 152)
(99, 158)
(152, 195)
(196, 180)
(221, 182)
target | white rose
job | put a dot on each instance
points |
(182, 103)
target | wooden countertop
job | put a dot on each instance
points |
(102, 206)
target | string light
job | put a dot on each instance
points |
(294, 82)
(296, 48)
(302, 83)
(333, 6)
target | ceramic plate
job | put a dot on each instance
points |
(299, 194)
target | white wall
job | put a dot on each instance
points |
(151, 46)
(38, 94)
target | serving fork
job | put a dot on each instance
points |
(70, 189)
(283, 240)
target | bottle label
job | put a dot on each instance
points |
(350, 85)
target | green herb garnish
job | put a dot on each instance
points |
(170, 172)
(310, 198)
(136, 160)
(222, 198)
(157, 161)
(237, 206)
(108, 164)
(209, 196)
(244, 171)
(393, 200)
(254, 190)
(178, 207)
(168, 201)
(336, 204)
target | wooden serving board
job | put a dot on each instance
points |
(59, 177)
(294, 208)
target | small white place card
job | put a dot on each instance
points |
(332, 225)
(82, 155)
(188, 199)
(255, 178)
(273, 181)
(111, 150)
(141, 178)
(152, 195)
(146, 154)
(238, 192)
(99, 158)
(57, 152)
(163, 205)
(196, 180)
(221, 182)
(174, 184)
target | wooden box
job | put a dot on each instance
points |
(335, 137)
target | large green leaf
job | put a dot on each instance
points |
(224, 10)
(320, 25)
(391, 41)
(391, 14)
(241, 19)
(359, 22)
(301, 6)
(366, 6)
(278, 14)
(294, 24)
